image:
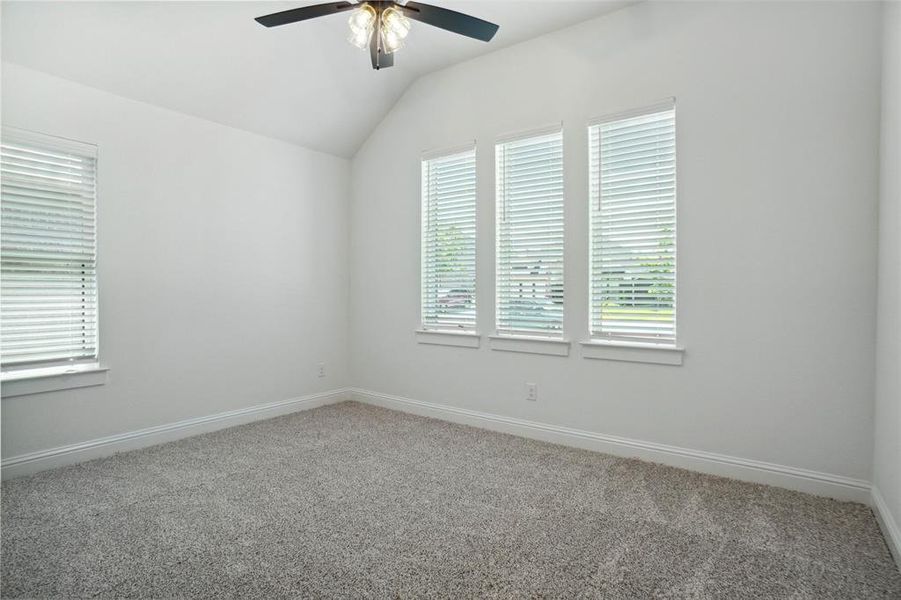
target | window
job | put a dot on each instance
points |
(449, 242)
(48, 257)
(530, 235)
(633, 226)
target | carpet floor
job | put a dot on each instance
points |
(352, 501)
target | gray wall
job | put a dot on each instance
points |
(887, 461)
(224, 255)
(222, 266)
(778, 129)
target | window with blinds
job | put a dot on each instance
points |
(529, 179)
(449, 242)
(633, 226)
(48, 293)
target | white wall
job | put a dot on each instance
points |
(222, 266)
(887, 460)
(246, 289)
(778, 132)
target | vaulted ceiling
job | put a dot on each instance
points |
(303, 83)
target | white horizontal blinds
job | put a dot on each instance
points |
(633, 224)
(48, 292)
(530, 235)
(449, 242)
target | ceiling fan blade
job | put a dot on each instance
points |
(451, 20)
(303, 13)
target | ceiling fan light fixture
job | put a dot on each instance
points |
(391, 42)
(360, 38)
(382, 25)
(395, 23)
(362, 20)
(394, 28)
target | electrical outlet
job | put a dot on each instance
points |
(321, 369)
(532, 392)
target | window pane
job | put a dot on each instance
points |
(530, 236)
(633, 225)
(449, 242)
(48, 257)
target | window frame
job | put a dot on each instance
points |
(429, 333)
(39, 376)
(528, 341)
(611, 346)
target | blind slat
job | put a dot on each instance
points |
(48, 295)
(449, 242)
(633, 224)
(529, 286)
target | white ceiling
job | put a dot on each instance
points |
(303, 83)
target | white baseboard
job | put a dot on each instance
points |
(813, 482)
(802, 480)
(27, 464)
(890, 529)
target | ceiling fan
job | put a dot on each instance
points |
(382, 25)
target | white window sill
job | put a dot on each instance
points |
(529, 345)
(51, 379)
(461, 339)
(633, 352)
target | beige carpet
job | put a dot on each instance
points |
(352, 501)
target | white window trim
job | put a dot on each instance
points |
(441, 335)
(659, 354)
(460, 339)
(661, 105)
(60, 143)
(529, 133)
(447, 151)
(603, 347)
(24, 382)
(551, 346)
(55, 377)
